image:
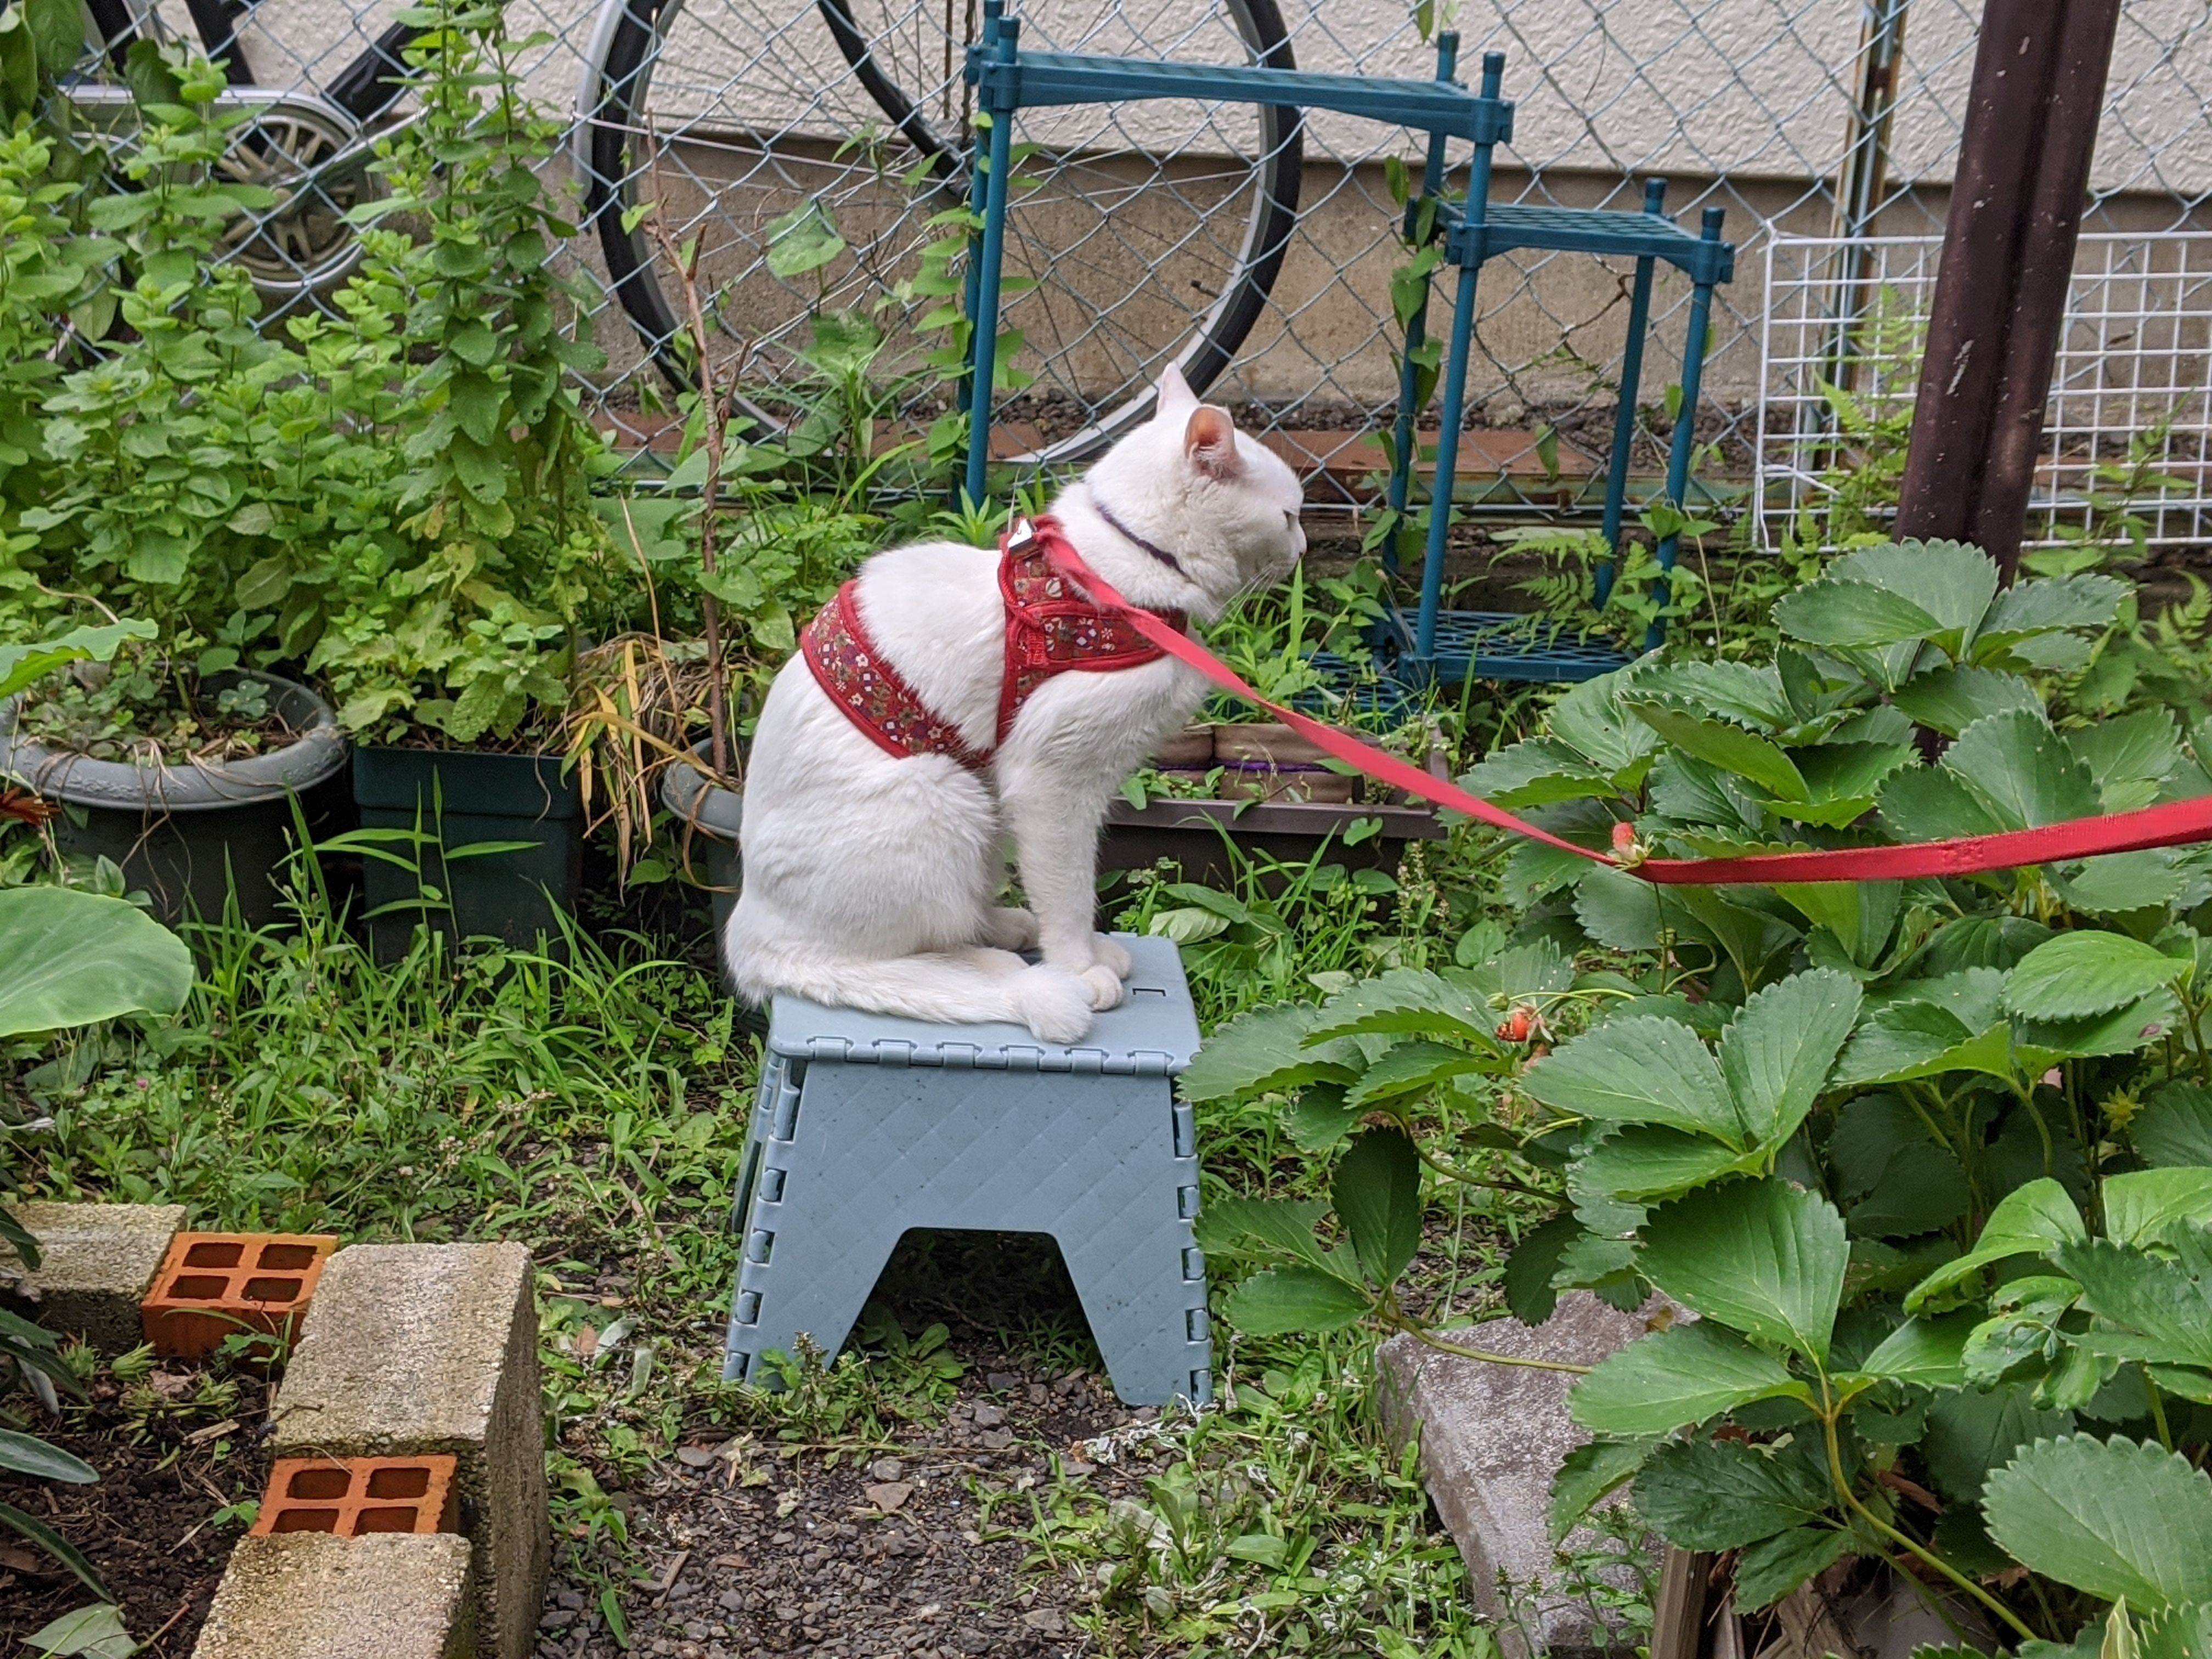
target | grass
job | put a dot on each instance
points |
(591, 1102)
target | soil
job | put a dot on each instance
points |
(875, 1558)
(147, 1524)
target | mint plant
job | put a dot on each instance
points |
(1930, 1161)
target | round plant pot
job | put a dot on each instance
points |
(502, 852)
(708, 818)
(189, 834)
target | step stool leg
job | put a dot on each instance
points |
(1142, 1279)
(1685, 424)
(984, 319)
(1440, 495)
(1632, 383)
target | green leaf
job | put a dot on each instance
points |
(93, 1632)
(1591, 1472)
(1970, 1432)
(1924, 1352)
(1683, 1374)
(1229, 1226)
(68, 957)
(1318, 1119)
(1641, 1162)
(1778, 1052)
(25, 1453)
(1722, 1494)
(2141, 1206)
(1536, 773)
(2030, 1220)
(24, 664)
(2023, 769)
(1639, 1069)
(1953, 581)
(1949, 700)
(2082, 600)
(2120, 882)
(2166, 1310)
(54, 1544)
(1592, 720)
(1927, 803)
(1527, 1280)
(1851, 615)
(2175, 1126)
(1283, 1300)
(1729, 747)
(2078, 974)
(1771, 1568)
(803, 240)
(1258, 1053)
(1377, 1195)
(1411, 1068)
(2128, 756)
(1405, 1001)
(1762, 1257)
(2114, 1518)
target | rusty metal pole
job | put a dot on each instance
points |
(2008, 260)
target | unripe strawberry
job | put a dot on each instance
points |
(1515, 1025)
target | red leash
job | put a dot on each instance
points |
(2173, 825)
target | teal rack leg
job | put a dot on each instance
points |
(1440, 496)
(984, 319)
(1404, 436)
(1678, 455)
(1624, 425)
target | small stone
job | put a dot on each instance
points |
(697, 1457)
(1000, 1382)
(559, 1618)
(572, 1599)
(732, 1600)
(888, 1495)
(787, 1614)
(887, 1469)
(996, 1439)
(1046, 1620)
(1076, 1469)
(988, 1417)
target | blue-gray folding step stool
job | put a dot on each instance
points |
(867, 1126)
(1436, 645)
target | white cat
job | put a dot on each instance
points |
(871, 877)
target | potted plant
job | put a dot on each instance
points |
(172, 749)
(449, 645)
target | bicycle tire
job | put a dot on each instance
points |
(616, 106)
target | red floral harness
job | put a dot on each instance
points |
(1051, 628)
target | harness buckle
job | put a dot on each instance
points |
(1020, 535)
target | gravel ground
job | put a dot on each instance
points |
(864, 1556)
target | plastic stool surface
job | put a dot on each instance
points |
(1152, 1034)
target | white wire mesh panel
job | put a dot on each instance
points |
(2129, 420)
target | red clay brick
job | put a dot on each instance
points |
(352, 1496)
(211, 1284)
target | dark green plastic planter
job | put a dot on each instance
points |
(465, 799)
(189, 834)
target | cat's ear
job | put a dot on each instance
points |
(1210, 442)
(1176, 400)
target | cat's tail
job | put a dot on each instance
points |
(969, 987)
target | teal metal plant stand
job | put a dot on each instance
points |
(1434, 644)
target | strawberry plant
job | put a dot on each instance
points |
(1930, 1161)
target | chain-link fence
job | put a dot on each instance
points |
(812, 150)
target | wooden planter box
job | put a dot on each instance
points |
(1283, 792)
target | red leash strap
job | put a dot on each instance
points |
(2173, 825)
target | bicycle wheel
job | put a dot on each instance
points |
(1151, 234)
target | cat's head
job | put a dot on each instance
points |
(1222, 504)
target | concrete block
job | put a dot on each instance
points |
(415, 1348)
(1493, 1437)
(97, 1262)
(310, 1595)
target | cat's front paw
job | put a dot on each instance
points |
(1106, 987)
(1010, 929)
(1112, 953)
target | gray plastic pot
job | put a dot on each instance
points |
(707, 819)
(188, 835)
